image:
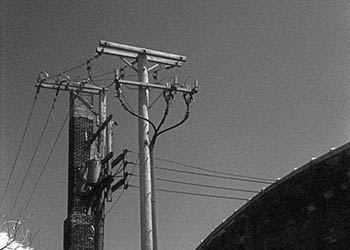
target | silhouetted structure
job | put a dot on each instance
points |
(79, 229)
(308, 209)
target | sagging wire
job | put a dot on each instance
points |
(46, 162)
(20, 145)
(115, 202)
(168, 97)
(95, 56)
(36, 150)
(125, 106)
(188, 97)
(88, 67)
(186, 165)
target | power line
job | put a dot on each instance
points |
(197, 194)
(104, 74)
(35, 151)
(214, 176)
(20, 147)
(214, 171)
(206, 186)
(46, 162)
(68, 70)
(110, 209)
(210, 171)
(96, 55)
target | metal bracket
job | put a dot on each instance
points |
(88, 105)
(99, 130)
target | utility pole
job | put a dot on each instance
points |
(90, 168)
(145, 159)
(142, 56)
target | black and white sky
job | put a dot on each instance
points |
(274, 92)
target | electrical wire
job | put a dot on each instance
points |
(206, 186)
(35, 151)
(186, 116)
(197, 194)
(155, 100)
(214, 171)
(20, 146)
(104, 74)
(156, 132)
(68, 70)
(115, 202)
(208, 170)
(124, 105)
(215, 176)
(46, 162)
(127, 184)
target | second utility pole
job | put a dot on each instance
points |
(145, 160)
(142, 56)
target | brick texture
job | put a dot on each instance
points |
(79, 225)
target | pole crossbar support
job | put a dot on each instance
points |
(143, 56)
(119, 158)
(99, 130)
(107, 158)
(88, 105)
(118, 185)
(157, 86)
(134, 55)
(138, 50)
(82, 87)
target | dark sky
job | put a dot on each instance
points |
(274, 86)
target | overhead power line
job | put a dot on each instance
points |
(35, 151)
(197, 194)
(206, 186)
(214, 171)
(68, 70)
(214, 176)
(46, 162)
(87, 62)
(115, 202)
(210, 170)
(19, 147)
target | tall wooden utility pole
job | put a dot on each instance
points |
(145, 159)
(142, 56)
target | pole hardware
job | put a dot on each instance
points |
(133, 52)
(143, 56)
(66, 84)
(120, 157)
(99, 130)
(120, 183)
(107, 158)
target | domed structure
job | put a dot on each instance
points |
(308, 209)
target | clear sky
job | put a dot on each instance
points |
(274, 92)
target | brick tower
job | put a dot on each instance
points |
(79, 229)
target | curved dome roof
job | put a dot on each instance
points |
(307, 209)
